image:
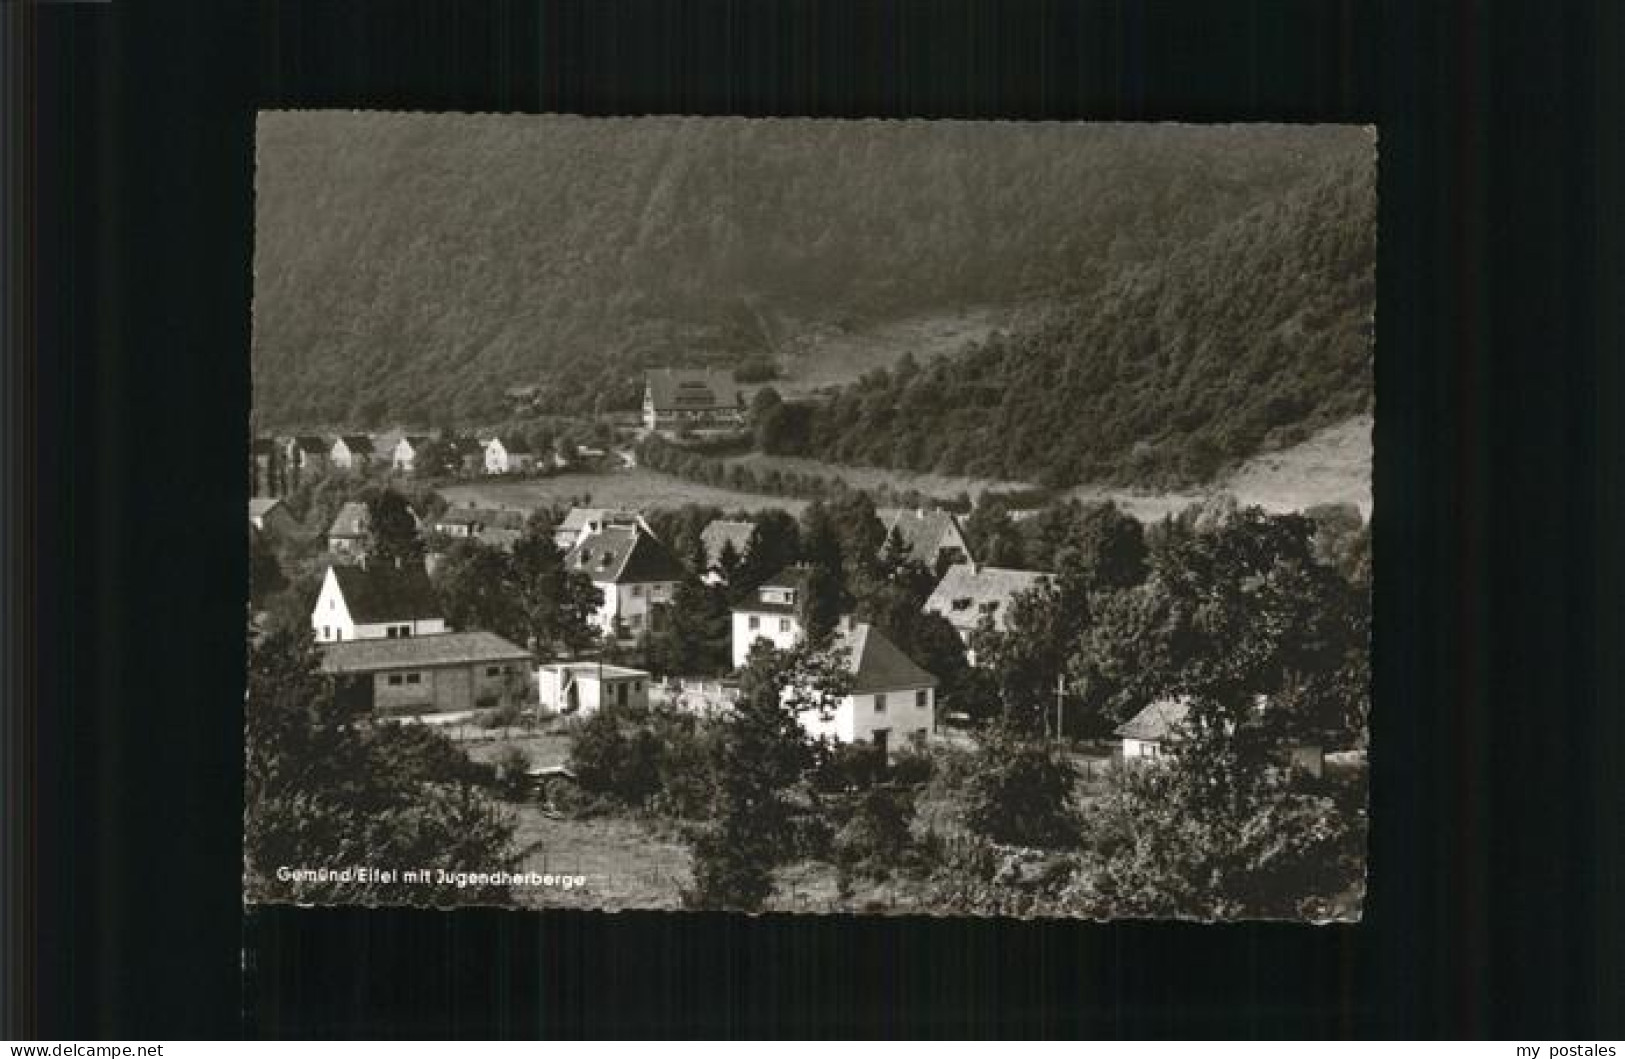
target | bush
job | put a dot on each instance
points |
(512, 768)
(912, 768)
(877, 838)
(1021, 791)
(848, 767)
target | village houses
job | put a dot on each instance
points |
(348, 533)
(1158, 729)
(696, 398)
(583, 688)
(970, 594)
(306, 454)
(381, 634)
(508, 455)
(934, 538)
(636, 573)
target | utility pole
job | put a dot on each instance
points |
(1060, 706)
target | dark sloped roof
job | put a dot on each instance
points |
(692, 389)
(516, 446)
(384, 592)
(791, 578)
(922, 532)
(877, 664)
(625, 555)
(410, 652)
(358, 444)
(1157, 721)
(312, 445)
(351, 521)
(967, 591)
(721, 532)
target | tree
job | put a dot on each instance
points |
(555, 603)
(265, 577)
(392, 529)
(774, 542)
(1021, 790)
(476, 586)
(325, 789)
(764, 754)
(696, 638)
(992, 534)
(1029, 655)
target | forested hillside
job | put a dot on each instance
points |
(411, 267)
(1178, 368)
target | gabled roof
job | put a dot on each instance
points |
(578, 519)
(409, 652)
(625, 555)
(792, 578)
(351, 521)
(721, 532)
(968, 591)
(1156, 722)
(877, 664)
(359, 444)
(692, 389)
(258, 506)
(413, 441)
(384, 593)
(513, 446)
(922, 531)
(312, 445)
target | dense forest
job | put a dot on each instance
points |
(409, 268)
(1174, 370)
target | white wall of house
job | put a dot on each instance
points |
(631, 604)
(1141, 748)
(781, 630)
(405, 456)
(904, 714)
(593, 692)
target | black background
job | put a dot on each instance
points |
(1496, 869)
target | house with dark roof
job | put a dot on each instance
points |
(934, 538)
(348, 533)
(636, 573)
(771, 612)
(508, 455)
(969, 594)
(272, 517)
(375, 601)
(691, 397)
(352, 452)
(1158, 729)
(892, 702)
(718, 535)
(404, 455)
(443, 673)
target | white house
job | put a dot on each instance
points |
(892, 702)
(377, 602)
(1157, 731)
(635, 572)
(508, 455)
(404, 456)
(968, 594)
(352, 452)
(584, 688)
(932, 537)
(770, 613)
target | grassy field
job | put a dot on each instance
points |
(637, 488)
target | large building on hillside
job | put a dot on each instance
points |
(969, 594)
(443, 673)
(934, 538)
(636, 573)
(674, 398)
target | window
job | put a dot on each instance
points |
(414, 678)
(395, 680)
(635, 620)
(637, 685)
(922, 699)
(332, 604)
(327, 632)
(755, 623)
(784, 624)
(637, 590)
(492, 671)
(880, 703)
